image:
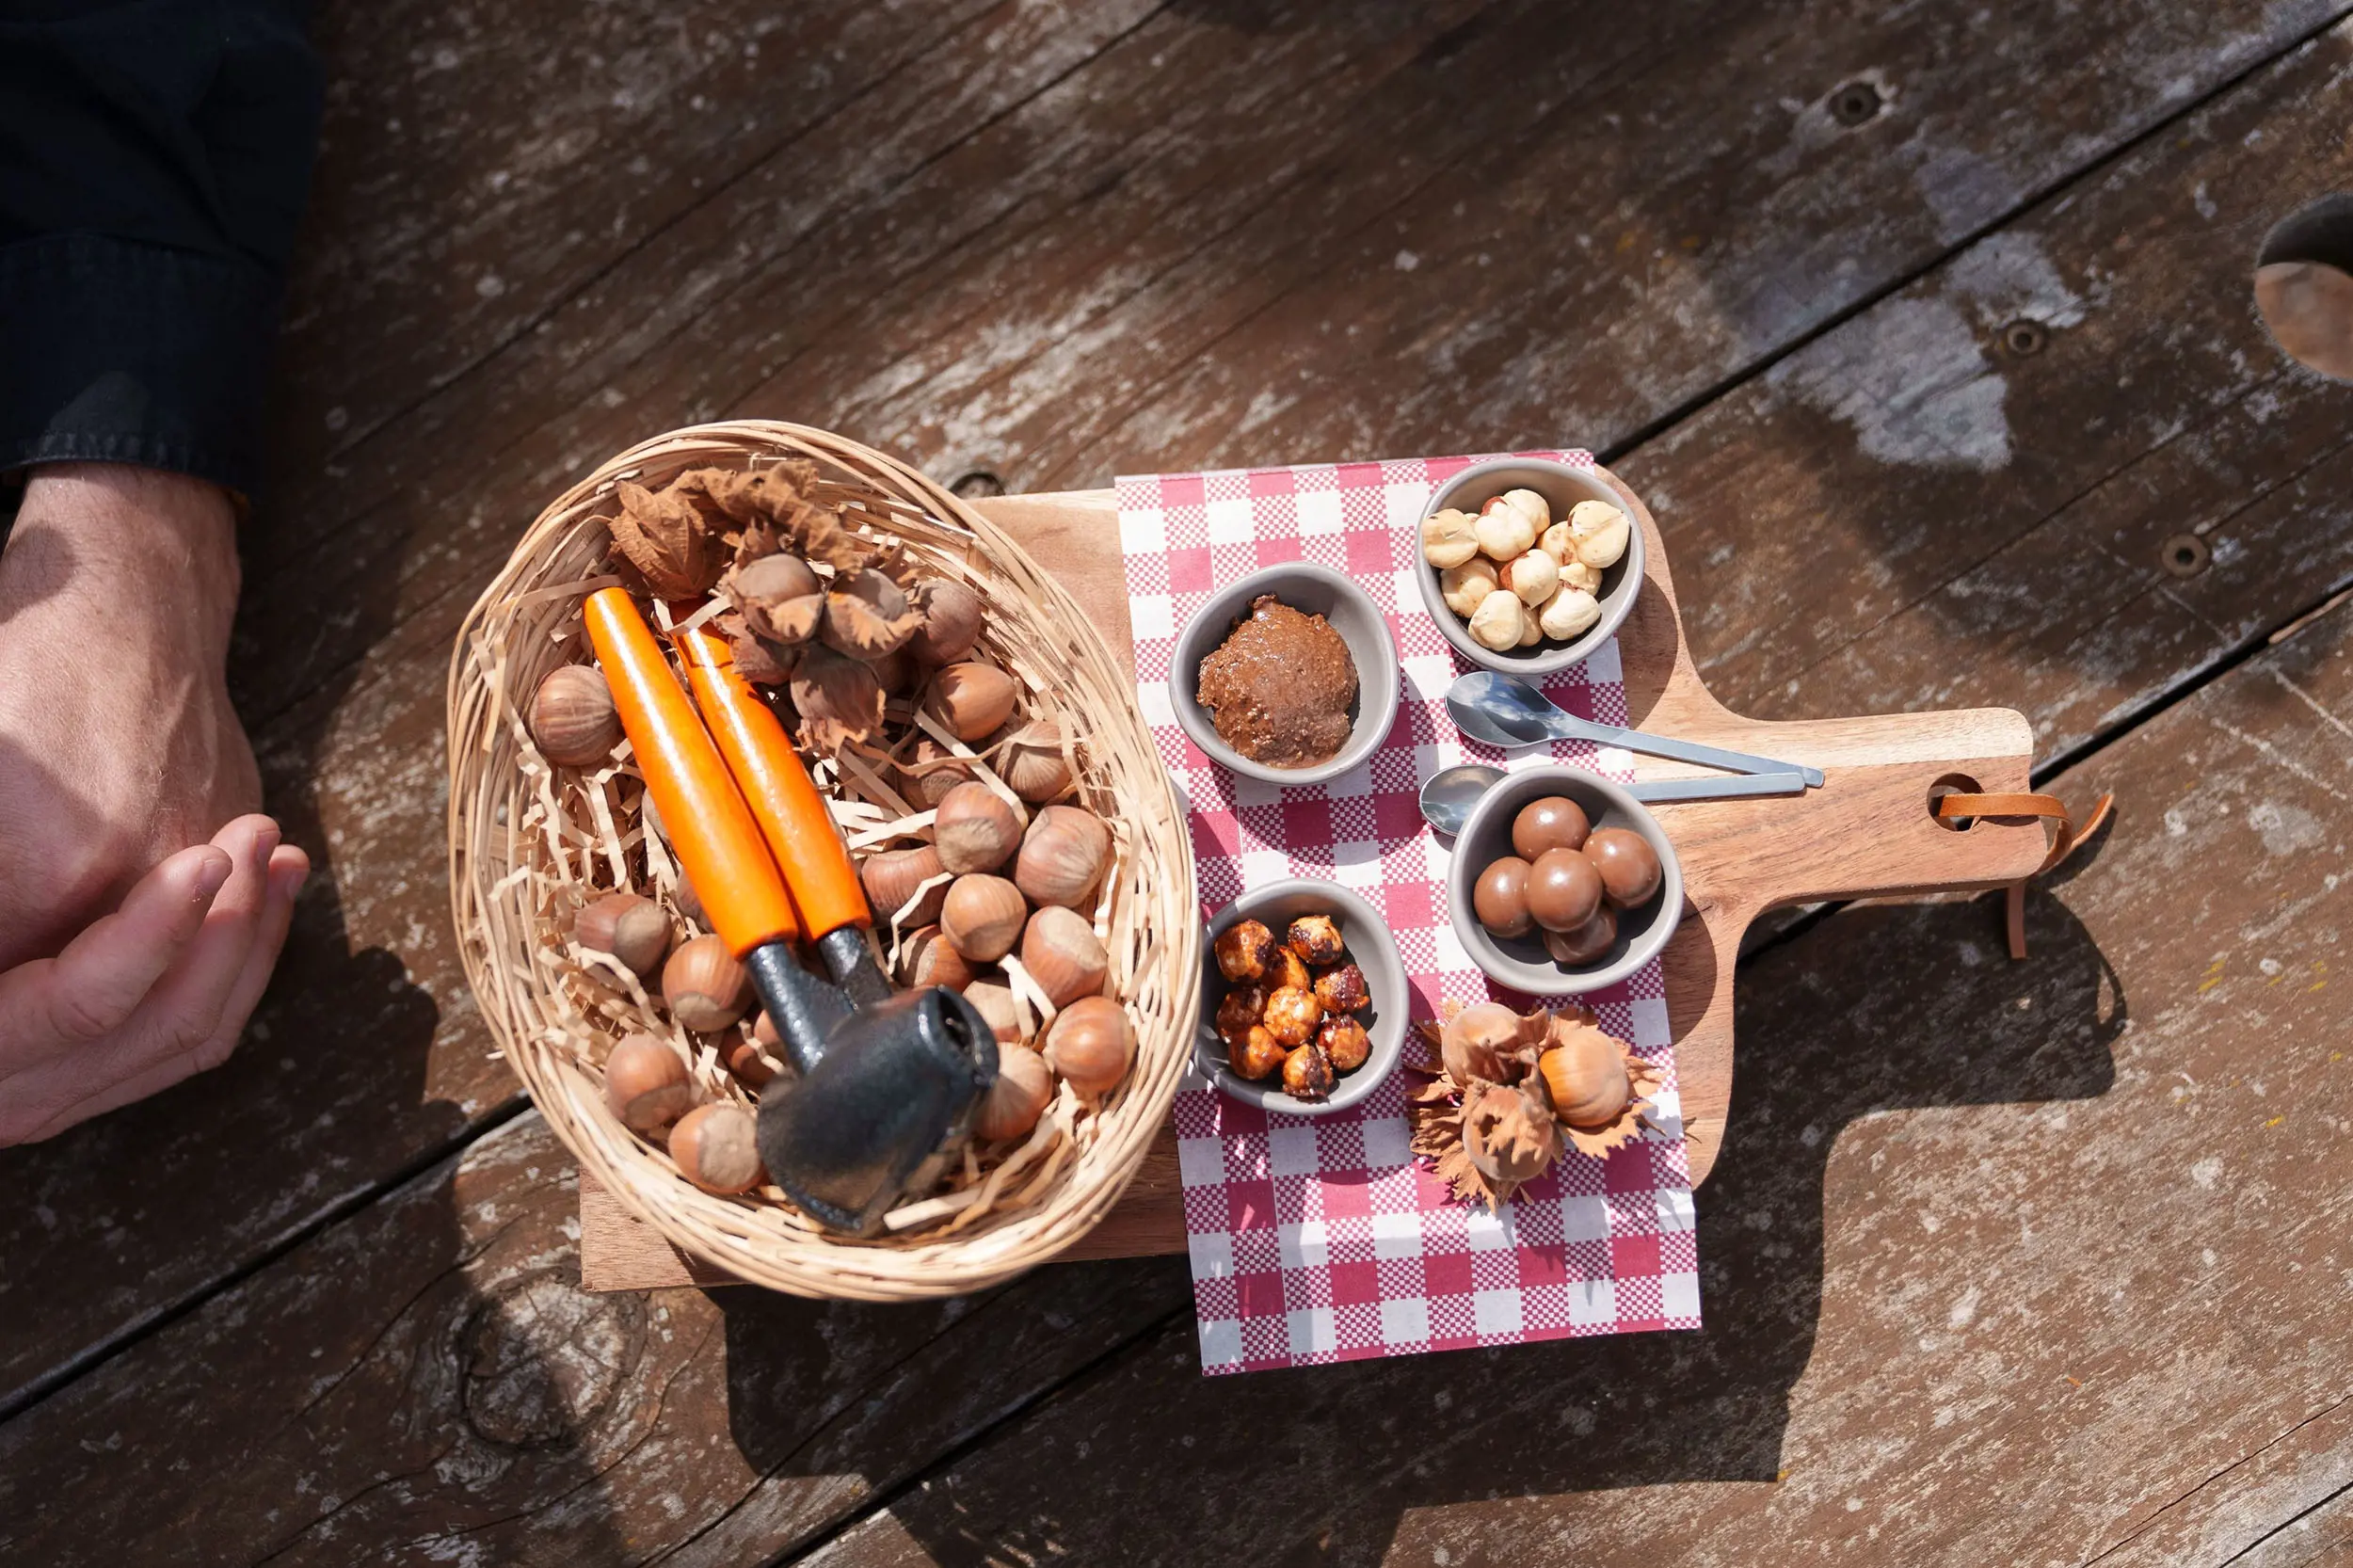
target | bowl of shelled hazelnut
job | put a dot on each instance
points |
(1302, 999)
(1528, 566)
(1561, 883)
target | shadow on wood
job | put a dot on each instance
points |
(1320, 1466)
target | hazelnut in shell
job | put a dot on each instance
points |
(646, 1084)
(1091, 1045)
(933, 960)
(1000, 1006)
(1555, 822)
(706, 988)
(633, 929)
(1465, 587)
(951, 622)
(714, 1149)
(1448, 538)
(1063, 855)
(976, 829)
(1316, 939)
(1589, 943)
(1307, 1073)
(983, 917)
(1584, 1071)
(1292, 1014)
(891, 878)
(1024, 1085)
(1628, 867)
(1500, 621)
(572, 717)
(1342, 989)
(1243, 949)
(1499, 897)
(1563, 890)
(974, 700)
(930, 771)
(1254, 1053)
(757, 1059)
(1063, 955)
(1343, 1040)
(1034, 765)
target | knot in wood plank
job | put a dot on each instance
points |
(543, 1358)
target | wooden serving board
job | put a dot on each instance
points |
(1866, 832)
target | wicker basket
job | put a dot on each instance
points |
(529, 843)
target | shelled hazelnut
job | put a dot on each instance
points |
(1550, 571)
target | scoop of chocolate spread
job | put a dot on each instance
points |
(1279, 687)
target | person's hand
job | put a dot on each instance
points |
(141, 905)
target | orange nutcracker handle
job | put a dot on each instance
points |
(709, 827)
(776, 787)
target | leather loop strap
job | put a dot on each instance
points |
(2065, 839)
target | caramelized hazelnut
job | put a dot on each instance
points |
(1292, 1014)
(1307, 1073)
(1345, 1042)
(1342, 989)
(1256, 1054)
(1317, 939)
(1243, 1010)
(1286, 969)
(1245, 949)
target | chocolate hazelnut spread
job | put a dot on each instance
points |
(1280, 686)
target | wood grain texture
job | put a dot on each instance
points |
(2002, 1262)
(919, 256)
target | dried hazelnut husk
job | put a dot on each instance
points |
(837, 697)
(1013, 1103)
(779, 597)
(972, 701)
(633, 929)
(976, 829)
(1509, 1134)
(665, 542)
(1242, 1009)
(983, 917)
(1254, 1053)
(646, 1083)
(893, 876)
(951, 622)
(1033, 764)
(1091, 1045)
(1061, 951)
(572, 717)
(1487, 1040)
(867, 615)
(1316, 939)
(1342, 989)
(1245, 949)
(930, 772)
(1289, 968)
(1307, 1073)
(1292, 1014)
(704, 986)
(1345, 1042)
(1063, 855)
(714, 1149)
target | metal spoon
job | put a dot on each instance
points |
(1505, 711)
(1448, 797)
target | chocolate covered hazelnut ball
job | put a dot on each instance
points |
(1556, 821)
(1630, 867)
(1563, 890)
(1500, 898)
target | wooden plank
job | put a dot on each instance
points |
(370, 1067)
(1982, 1234)
(428, 1382)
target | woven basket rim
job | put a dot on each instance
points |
(1157, 920)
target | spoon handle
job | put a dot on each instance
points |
(1655, 790)
(1681, 751)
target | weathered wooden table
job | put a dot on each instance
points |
(1928, 335)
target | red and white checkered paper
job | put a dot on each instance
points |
(1322, 1238)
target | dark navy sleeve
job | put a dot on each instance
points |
(153, 159)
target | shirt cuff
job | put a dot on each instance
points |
(129, 353)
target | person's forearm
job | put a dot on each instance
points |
(150, 555)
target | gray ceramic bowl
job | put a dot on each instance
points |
(1562, 487)
(1370, 947)
(1317, 591)
(1522, 962)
